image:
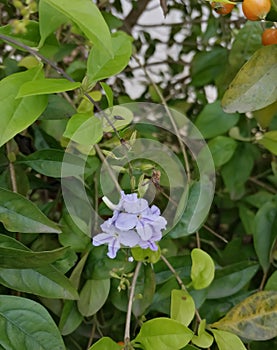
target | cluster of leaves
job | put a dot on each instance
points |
(60, 62)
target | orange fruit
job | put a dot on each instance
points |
(269, 36)
(255, 10)
(222, 8)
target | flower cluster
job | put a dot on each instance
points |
(133, 223)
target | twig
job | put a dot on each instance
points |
(263, 185)
(178, 279)
(261, 287)
(198, 239)
(104, 160)
(92, 333)
(171, 120)
(129, 309)
(11, 168)
(215, 234)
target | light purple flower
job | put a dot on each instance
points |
(115, 238)
(133, 223)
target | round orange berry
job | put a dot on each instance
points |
(255, 10)
(269, 36)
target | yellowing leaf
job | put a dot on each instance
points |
(202, 269)
(254, 318)
(254, 87)
(227, 341)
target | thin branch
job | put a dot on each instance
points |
(215, 233)
(178, 279)
(133, 16)
(11, 168)
(168, 111)
(104, 160)
(129, 309)
(263, 185)
(92, 333)
(171, 268)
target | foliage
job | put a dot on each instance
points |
(94, 101)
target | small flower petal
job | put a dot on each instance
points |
(126, 221)
(129, 238)
(102, 238)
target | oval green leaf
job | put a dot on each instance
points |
(182, 307)
(227, 341)
(212, 115)
(265, 232)
(104, 344)
(18, 214)
(93, 296)
(46, 86)
(269, 141)
(23, 322)
(101, 65)
(18, 114)
(88, 18)
(163, 333)
(202, 269)
(254, 318)
(84, 129)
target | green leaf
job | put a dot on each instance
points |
(254, 318)
(18, 114)
(49, 20)
(196, 211)
(84, 129)
(108, 92)
(202, 269)
(104, 344)
(163, 333)
(237, 171)
(15, 258)
(203, 339)
(101, 65)
(247, 217)
(206, 66)
(75, 236)
(18, 214)
(246, 42)
(144, 291)
(93, 296)
(269, 141)
(146, 255)
(265, 233)
(222, 149)
(27, 325)
(49, 162)
(254, 87)
(46, 281)
(88, 18)
(182, 307)
(70, 318)
(46, 86)
(227, 341)
(271, 283)
(125, 114)
(58, 108)
(230, 279)
(212, 121)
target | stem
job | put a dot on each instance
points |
(171, 268)
(104, 160)
(215, 234)
(92, 333)
(263, 281)
(171, 119)
(11, 168)
(130, 303)
(263, 185)
(178, 279)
